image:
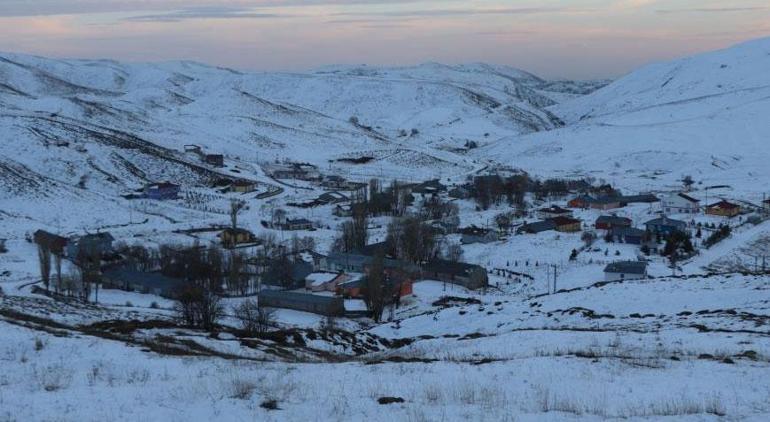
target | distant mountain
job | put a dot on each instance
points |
(74, 128)
(705, 115)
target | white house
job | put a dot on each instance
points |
(625, 270)
(680, 203)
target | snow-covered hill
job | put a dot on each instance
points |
(705, 115)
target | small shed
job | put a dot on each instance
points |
(625, 270)
(470, 276)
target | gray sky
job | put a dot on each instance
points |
(581, 39)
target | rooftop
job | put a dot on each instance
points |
(609, 219)
(725, 205)
(299, 297)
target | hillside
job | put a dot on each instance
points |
(485, 318)
(704, 116)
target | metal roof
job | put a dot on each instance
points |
(299, 297)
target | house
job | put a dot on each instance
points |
(724, 209)
(299, 171)
(606, 203)
(333, 197)
(665, 226)
(680, 203)
(460, 192)
(566, 224)
(356, 288)
(625, 270)
(297, 224)
(607, 222)
(630, 235)
(553, 211)
(360, 263)
(429, 188)
(129, 279)
(98, 243)
(325, 281)
(216, 160)
(581, 201)
(232, 237)
(162, 191)
(53, 242)
(475, 234)
(243, 186)
(334, 182)
(305, 302)
(642, 198)
(3, 248)
(343, 210)
(192, 148)
(537, 227)
(277, 276)
(470, 276)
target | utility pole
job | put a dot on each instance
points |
(555, 275)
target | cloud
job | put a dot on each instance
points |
(204, 13)
(456, 12)
(712, 10)
(22, 8)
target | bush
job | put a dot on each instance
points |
(269, 405)
(242, 389)
(54, 377)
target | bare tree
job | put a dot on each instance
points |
(88, 260)
(198, 307)
(237, 277)
(454, 252)
(375, 292)
(254, 320)
(354, 236)
(57, 265)
(236, 205)
(278, 217)
(44, 259)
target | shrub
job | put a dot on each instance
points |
(54, 377)
(242, 389)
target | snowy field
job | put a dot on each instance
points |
(688, 343)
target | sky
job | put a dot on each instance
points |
(569, 39)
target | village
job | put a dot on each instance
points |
(364, 251)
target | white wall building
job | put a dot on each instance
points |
(679, 203)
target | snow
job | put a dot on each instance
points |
(691, 346)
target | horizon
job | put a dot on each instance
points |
(589, 40)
